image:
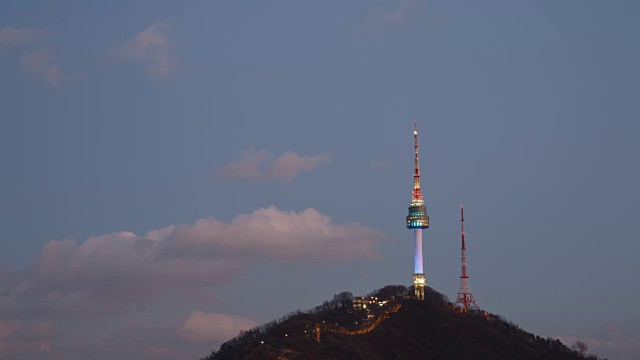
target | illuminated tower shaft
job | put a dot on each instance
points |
(417, 220)
(417, 238)
(464, 300)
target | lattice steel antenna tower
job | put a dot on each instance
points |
(464, 301)
(417, 220)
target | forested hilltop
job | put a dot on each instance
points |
(391, 325)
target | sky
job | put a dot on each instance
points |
(175, 172)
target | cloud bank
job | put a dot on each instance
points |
(152, 48)
(106, 273)
(111, 274)
(31, 340)
(262, 165)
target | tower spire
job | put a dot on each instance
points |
(464, 300)
(417, 220)
(417, 193)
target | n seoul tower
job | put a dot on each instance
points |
(417, 220)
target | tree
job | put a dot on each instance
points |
(344, 299)
(580, 346)
(389, 292)
(210, 356)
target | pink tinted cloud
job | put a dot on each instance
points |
(400, 14)
(108, 273)
(152, 48)
(207, 327)
(158, 338)
(377, 22)
(250, 166)
(277, 234)
(10, 35)
(40, 65)
(200, 296)
(25, 340)
(164, 352)
(262, 165)
(615, 340)
(289, 165)
(108, 276)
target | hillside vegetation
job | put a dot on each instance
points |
(402, 328)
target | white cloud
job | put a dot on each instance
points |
(152, 48)
(262, 165)
(204, 327)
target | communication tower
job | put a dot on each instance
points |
(465, 300)
(417, 220)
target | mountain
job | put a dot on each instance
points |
(391, 325)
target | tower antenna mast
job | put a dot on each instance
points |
(464, 300)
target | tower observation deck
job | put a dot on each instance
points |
(417, 220)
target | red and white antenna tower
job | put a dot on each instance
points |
(464, 301)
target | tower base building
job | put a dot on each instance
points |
(419, 282)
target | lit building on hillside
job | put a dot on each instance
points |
(363, 303)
